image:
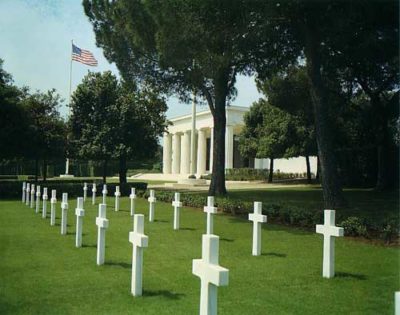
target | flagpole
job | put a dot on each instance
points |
(69, 104)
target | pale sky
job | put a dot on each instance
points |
(35, 41)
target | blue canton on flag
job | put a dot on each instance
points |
(83, 56)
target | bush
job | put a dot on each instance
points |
(389, 229)
(74, 189)
(354, 226)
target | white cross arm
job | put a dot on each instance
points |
(210, 209)
(177, 203)
(214, 274)
(79, 212)
(64, 205)
(94, 189)
(117, 194)
(151, 199)
(132, 196)
(102, 223)
(330, 230)
(138, 239)
(257, 217)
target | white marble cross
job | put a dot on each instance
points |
(94, 189)
(117, 194)
(37, 199)
(257, 217)
(44, 207)
(105, 191)
(397, 303)
(28, 191)
(23, 191)
(329, 230)
(53, 202)
(64, 213)
(85, 189)
(152, 201)
(210, 210)
(80, 213)
(139, 241)
(210, 273)
(177, 204)
(132, 196)
(32, 195)
(102, 225)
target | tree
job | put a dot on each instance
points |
(269, 132)
(187, 46)
(47, 131)
(111, 120)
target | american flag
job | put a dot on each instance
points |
(83, 56)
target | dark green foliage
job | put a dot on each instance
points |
(73, 188)
(354, 226)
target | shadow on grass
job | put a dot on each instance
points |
(274, 254)
(230, 240)
(118, 264)
(89, 245)
(164, 293)
(161, 221)
(188, 229)
(355, 276)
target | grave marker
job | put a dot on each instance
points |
(210, 210)
(177, 204)
(32, 195)
(102, 224)
(44, 207)
(257, 217)
(28, 192)
(64, 213)
(105, 194)
(210, 273)
(37, 199)
(132, 196)
(23, 191)
(85, 189)
(152, 201)
(139, 241)
(329, 230)
(80, 213)
(117, 194)
(94, 189)
(53, 202)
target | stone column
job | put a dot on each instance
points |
(229, 147)
(211, 148)
(176, 153)
(167, 157)
(201, 152)
(185, 153)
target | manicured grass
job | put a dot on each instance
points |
(41, 272)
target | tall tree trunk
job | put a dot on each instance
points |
(308, 169)
(271, 170)
(105, 162)
(217, 186)
(317, 176)
(36, 169)
(331, 186)
(122, 170)
(44, 170)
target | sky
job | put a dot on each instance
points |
(35, 44)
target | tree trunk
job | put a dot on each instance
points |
(331, 186)
(308, 169)
(271, 170)
(122, 170)
(36, 169)
(44, 170)
(317, 176)
(105, 171)
(217, 186)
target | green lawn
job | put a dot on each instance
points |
(41, 272)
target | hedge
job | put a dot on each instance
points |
(73, 188)
(286, 214)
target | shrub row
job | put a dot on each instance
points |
(74, 189)
(291, 215)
